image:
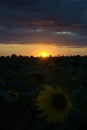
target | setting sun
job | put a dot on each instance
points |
(44, 54)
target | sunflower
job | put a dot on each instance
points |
(54, 103)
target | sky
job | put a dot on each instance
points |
(58, 27)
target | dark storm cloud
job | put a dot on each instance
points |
(19, 19)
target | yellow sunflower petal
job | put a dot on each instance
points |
(54, 103)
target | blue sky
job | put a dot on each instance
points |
(59, 22)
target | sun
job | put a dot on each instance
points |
(43, 54)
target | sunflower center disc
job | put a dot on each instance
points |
(59, 102)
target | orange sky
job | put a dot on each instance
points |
(37, 49)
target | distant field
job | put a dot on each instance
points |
(25, 77)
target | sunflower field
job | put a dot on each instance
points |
(43, 93)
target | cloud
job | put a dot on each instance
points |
(32, 21)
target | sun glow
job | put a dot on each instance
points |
(44, 54)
